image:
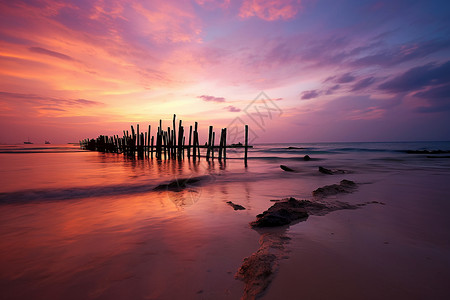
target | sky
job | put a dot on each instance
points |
(293, 70)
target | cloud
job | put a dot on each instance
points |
(402, 53)
(232, 108)
(270, 10)
(212, 4)
(440, 92)
(332, 89)
(306, 95)
(438, 99)
(53, 108)
(363, 83)
(211, 98)
(50, 53)
(51, 102)
(86, 102)
(346, 78)
(418, 78)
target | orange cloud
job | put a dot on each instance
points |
(270, 10)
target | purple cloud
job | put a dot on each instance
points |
(306, 95)
(50, 53)
(232, 108)
(438, 99)
(332, 89)
(418, 78)
(402, 53)
(346, 78)
(46, 101)
(363, 83)
(211, 98)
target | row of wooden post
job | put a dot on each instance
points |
(165, 145)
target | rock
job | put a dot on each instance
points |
(257, 271)
(235, 206)
(345, 186)
(281, 213)
(306, 157)
(287, 169)
(325, 171)
(296, 148)
(331, 171)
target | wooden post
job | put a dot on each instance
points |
(180, 138)
(221, 145)
(212, 146)
(195, 139)
(174, 134)
(145, 144)
(148, 140)
(208, 151)
(138, 136)
(151, 148)
(189, 146)
(246, 144)
(184, 140)
(165, 144)
(198, 147)
(224, 143)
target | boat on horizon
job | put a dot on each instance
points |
(28, 142)
(47, 142)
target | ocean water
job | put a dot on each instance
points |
(76, 224)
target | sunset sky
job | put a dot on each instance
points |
(355, 70)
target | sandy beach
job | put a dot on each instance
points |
(106, 233)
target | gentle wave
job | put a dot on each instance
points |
(72, 193)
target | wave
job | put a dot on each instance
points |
(55, 194)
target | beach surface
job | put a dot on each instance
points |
(85, 225)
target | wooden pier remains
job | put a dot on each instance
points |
(166, 144)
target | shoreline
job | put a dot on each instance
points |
(188, 236)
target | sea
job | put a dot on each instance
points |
(78, 224)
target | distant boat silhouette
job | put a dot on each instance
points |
(47, 142)
(28, 143)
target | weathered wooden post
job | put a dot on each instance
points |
(189, 146)
(195, 140)
(174, 136)
(212, 146)
(246, 144)
(208, 151)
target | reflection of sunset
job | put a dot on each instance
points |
(137, 61)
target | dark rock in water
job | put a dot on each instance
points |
(287, 169)
(290, 210)
(345, 186)
(281, 213)
(306, 157)
(296, 148)
(235, 206)
(331, 172)
(178, 184)
(325, 171)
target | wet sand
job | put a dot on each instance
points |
(395, 251)
(138, 243)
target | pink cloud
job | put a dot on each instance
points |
(270, 10)
(232, 108)
(211, 98)
(213, 3)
